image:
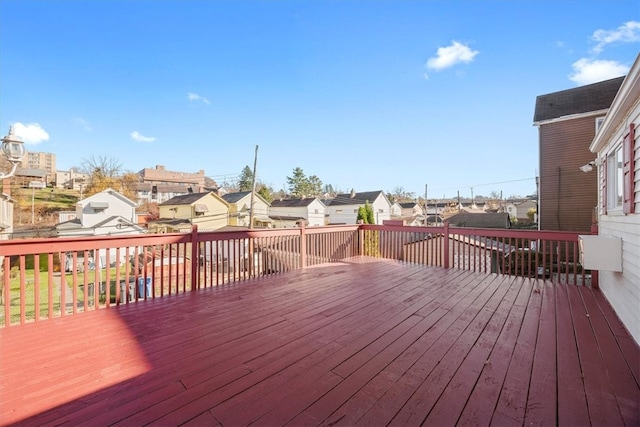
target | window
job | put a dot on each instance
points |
(599, 121)
(618, 170)
(614, 179)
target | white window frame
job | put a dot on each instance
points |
(615, 179)
(599, 121)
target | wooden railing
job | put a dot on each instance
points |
(537, 254)
(45, 278)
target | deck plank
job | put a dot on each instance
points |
(512, 403)
(542, 400)
(452, 401)
(368, 343)
(603, 408)
(572, 400)
(419, 359)
(618, 375)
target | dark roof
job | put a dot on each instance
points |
(583, 99)
(286, 218)
(185, 199)
(143, 186)
(163, 188)
(358, 199)
(174, 188)
(407, 205)
(169, 221)
(40, 173)
(235, 197)
(480, 220)
(292, 203)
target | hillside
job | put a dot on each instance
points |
(41, 206)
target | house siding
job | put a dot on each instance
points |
(117, 207)
(568, 196)
(622, 289)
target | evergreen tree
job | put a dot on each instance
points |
(315, 186)
(298, 183)
(371, 238)
(266, 193)
(245, 182)
(365, 214)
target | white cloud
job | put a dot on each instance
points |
(194, 97)
(31, 133)
(629, 32)
(588, 71)
(449, 56)
(83, 123)
(137, 136)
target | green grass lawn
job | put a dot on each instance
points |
(58, 286)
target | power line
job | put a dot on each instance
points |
(484, 185)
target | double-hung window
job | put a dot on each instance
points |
(618, 176)
(615, 185)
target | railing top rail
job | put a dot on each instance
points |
(62, 244)
(570, 236)
(275, 232)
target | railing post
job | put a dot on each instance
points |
(445, 248)
(360, 240)
(195, 258)
(594, 273)
(303, 246)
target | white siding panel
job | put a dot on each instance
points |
(623, 289)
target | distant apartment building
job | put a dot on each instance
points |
(34, 160)
(159, 185)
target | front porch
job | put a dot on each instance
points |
(358, 342)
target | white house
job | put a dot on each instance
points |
(71, 179)
(343, 209)
(396, 210)
(413, 214)
(519, 210)
(6, 213)
(105, 213)
(288, 213)
(618, 160)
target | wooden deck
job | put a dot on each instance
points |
(381, 343)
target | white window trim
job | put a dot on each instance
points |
(614, 180)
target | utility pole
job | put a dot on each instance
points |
(253, 189)
(426, 206)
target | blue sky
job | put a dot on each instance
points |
(369, 95)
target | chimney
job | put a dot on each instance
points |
(353, 193)
(160, 167)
